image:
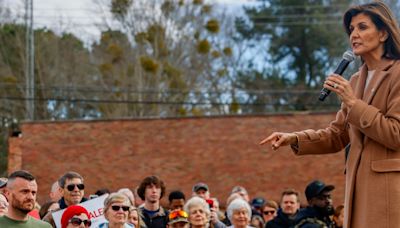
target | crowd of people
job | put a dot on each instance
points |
(140, 207)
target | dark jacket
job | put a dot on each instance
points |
(310, 217)
(63, 205)
(159, 220)
(282, 220)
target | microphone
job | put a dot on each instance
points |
(348, 56)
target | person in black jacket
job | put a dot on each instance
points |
(72, 189)
(151, 190)
(290, 204)
(320, 207)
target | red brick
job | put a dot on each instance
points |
(221, 151)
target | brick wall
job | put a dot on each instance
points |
(221, 151)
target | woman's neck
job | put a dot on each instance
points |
(373, 59)
(116, 225)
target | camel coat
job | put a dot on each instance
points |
(372, 126)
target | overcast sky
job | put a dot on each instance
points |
(79, 17)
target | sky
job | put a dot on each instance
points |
(80, 16)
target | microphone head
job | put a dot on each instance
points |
(349, 56)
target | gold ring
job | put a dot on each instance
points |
(335, 85)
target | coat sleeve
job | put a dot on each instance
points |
(329, 140)
(383, 128)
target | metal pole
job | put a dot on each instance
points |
(30, 57)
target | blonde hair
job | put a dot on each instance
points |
(116, 197)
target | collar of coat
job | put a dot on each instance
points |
(366, 94)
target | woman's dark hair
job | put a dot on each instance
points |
(383, 19)
(44, 209)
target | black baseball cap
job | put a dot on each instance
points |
(258, 202)
(316, 187)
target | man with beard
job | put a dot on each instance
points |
(151, 190)
(21, 192)
(320, 207)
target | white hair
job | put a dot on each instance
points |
(238, 204)
(55, 187)
(197, 201)
(127, 192)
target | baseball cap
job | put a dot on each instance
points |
(185, 220)
(239, 189)
(257, 202)
(316, 187)
(199, 186)
(177, 216)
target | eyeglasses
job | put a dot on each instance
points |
(174, 214)
(268, 212)
(71, 187)
(77, 222)
(116, 208)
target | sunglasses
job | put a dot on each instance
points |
(175, 214)
(116, 208)
(71, 187)
(77, 222)
(268, 212)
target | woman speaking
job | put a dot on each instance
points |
(369, 119)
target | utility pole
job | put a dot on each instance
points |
(29, 63)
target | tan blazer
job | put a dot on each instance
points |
(372, 126)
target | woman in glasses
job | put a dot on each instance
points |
(75, 216)
(239, 213)
(269, 210)
(198, 212)
(116, 211)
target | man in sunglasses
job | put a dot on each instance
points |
(21, 190)
(289, 206)
(320, 207)
(151, 190)
(72, 189)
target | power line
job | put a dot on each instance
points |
(158, 102)
(97, 89)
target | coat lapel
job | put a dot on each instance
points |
(380, 74)
(359, 88)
